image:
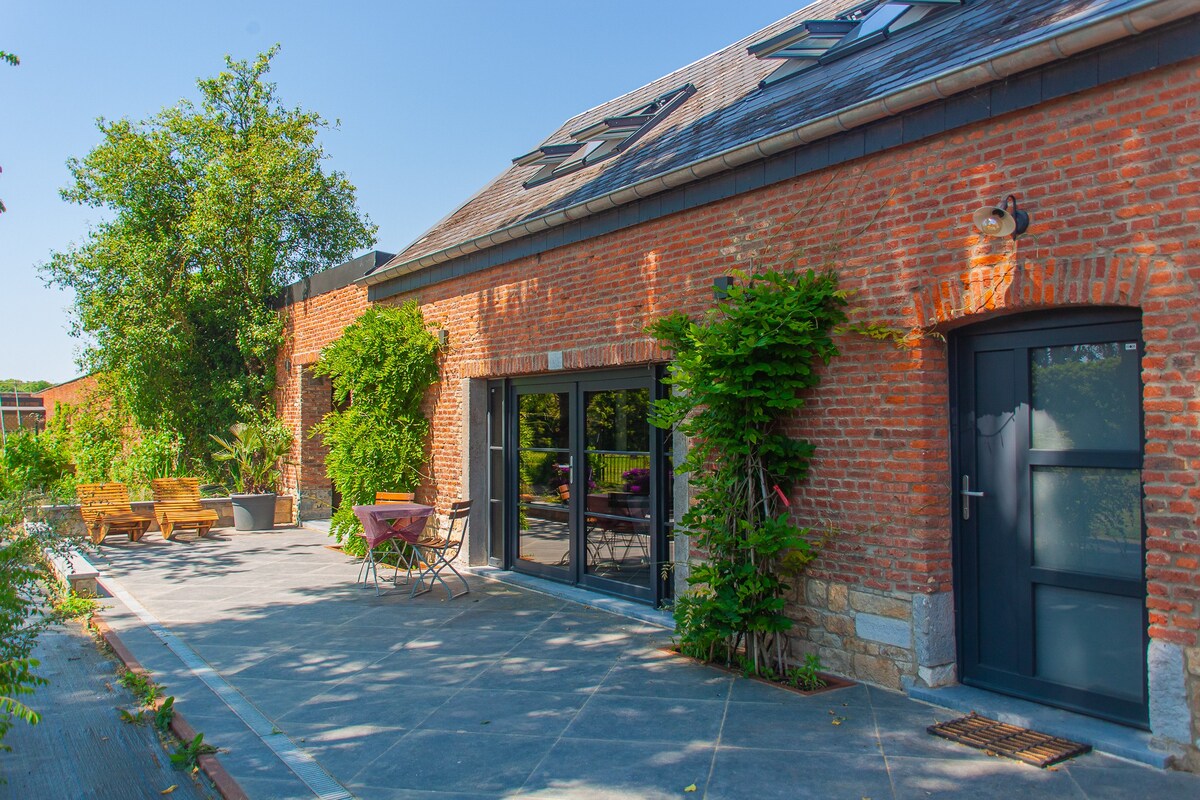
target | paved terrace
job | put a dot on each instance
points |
(509, 693)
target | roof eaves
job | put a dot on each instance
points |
(1057, 44)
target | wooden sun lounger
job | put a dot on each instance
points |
(177, 505)
(105, 508)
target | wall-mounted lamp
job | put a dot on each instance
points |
(443, 337)
(999, 221)
(721, 287)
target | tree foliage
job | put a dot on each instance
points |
(18, 385)
(738, 375)
(381, 367)
(212, 207)
(11, 60)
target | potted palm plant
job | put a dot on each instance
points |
(255, 452)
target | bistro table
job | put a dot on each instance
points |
(397, 524)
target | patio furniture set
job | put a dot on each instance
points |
(394, 520)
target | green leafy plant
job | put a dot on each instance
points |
(381, 367)
(254, 452)
(143, 688)
(36, 463)
(164, 714)
(807, 676)
(27, 585)
(93, 437)
(150, 454)
(72, 606)
(187, 755)
(132, 717)
(16, 679)
(739, 373)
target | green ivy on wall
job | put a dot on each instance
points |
(381, 367)
(739, 374)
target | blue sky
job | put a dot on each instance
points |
(433, 99)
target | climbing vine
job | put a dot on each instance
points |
(739, 374)
(381, 367)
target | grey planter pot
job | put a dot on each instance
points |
(253, 512)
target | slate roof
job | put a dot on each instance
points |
(729, 109)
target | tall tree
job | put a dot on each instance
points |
(214, 208)
(12, 60)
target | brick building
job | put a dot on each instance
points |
(1013, 490)
(75, 392)
(21, 410)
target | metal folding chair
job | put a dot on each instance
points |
(437, 551)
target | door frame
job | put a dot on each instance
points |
(578, 383)
(965, 602)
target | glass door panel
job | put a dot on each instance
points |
(1088, 520)
(617, 527)
(1088, 641)
(496, 474)
(1085, 397)
(544, 464)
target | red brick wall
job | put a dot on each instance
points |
(302, 398)
(73, 393)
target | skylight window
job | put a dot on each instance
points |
(820, 41)
(602, 139)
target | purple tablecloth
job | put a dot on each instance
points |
(385, 521)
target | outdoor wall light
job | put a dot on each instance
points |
(999, 221)
(443, 337)
(721, 287)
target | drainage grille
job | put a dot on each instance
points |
(1022, 744)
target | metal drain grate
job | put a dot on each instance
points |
(1022, 744)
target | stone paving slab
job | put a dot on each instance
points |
(511, 693)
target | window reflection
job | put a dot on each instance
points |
(1088, 520)
(1085, 397)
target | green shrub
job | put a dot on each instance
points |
(254, 452)
(36, 464)
(26, 587)
(93, 438)
(739, 375)
(153, 454)
(381, 367)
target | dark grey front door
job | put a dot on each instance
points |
(1048, 506)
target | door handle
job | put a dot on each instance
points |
(967, 494)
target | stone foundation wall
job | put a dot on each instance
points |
(890, 639)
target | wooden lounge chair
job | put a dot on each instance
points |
(105, 508)
(177, 505)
